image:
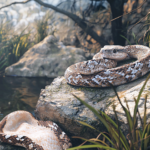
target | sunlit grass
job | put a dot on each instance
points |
(138, 138)
(42, 26)
(13, 46)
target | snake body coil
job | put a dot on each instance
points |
(102, 70)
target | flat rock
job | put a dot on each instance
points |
(49, 58)
(57, 103)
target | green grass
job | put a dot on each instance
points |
(42, 26)
(13, 46)
(147, 33)
(138, 137)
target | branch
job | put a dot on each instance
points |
(14, 4)
(80, 22)
(139, 21)
(129, 12)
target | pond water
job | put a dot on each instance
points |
(17, 93)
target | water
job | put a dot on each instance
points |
(20, 93)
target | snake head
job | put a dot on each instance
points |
(114, 52)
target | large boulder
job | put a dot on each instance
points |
(57, 103)
(48, 58)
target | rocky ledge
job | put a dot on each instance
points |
(56, 103)
(49, 58)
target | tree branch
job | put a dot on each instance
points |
(130, 11)
(14, 4)
(80, 22)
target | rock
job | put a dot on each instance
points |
(48, 58)
(131, 93)
(57, 103)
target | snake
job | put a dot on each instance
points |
(20, 128)
(102, 69)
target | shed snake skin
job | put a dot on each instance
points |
(22, 129)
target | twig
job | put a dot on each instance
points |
(129, 12)
(139, 21)
(24, 2)
(81, 23)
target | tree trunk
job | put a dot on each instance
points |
(116, 25)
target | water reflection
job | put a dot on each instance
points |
(20, 93)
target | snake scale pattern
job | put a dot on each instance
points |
(101, 71)
(22, 129)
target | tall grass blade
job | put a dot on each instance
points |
(110, 128)
(128, 115)
(139, 113)
(92, 141)
(138, 98)
(92, 146)
(144, 120)
(85, 124)
(126, 39)
(117, 124)
(124, 141)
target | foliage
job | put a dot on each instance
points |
(138, 138)
(18, 46)
(147, 33)
(134, 37)
(41, 26)
(12, 47)
(3, 41)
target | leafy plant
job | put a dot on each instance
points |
(18, 46)
(126, 39)
(12, 47)
(147, 33)
(134, 37)
(138, 138)
(42, 27)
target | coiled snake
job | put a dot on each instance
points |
(102, 70)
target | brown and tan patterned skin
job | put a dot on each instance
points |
(22, 129)
(102, 70)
